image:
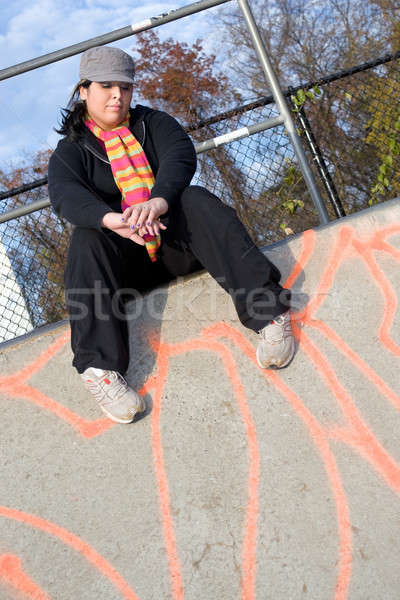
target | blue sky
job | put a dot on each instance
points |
(29, 103)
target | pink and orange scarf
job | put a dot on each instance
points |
(131, 170)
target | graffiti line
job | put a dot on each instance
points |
(319, 438)
(74, 542)
(365, 369)
(388, 294)
(11, 572)
(308, 240)
(362, 437)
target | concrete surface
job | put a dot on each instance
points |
(237, 482)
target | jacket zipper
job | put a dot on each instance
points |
(92, 151)
(144, 134)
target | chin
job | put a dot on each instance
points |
(111, 124)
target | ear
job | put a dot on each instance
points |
(83, 92)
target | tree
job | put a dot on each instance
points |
(181, 79)
(383, 135)
(307, 40)
(185, 82)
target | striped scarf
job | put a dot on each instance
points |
(131, 170)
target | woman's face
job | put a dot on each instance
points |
(108, 102)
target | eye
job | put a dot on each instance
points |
(105, 84)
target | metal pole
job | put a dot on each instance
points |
(27, 187)
(321, 164)
(284, 110)
(21, 211)
(107, 38)
(232, 136)
(238, 134)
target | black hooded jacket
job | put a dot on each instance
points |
(81, 184)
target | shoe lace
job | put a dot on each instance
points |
(119, 385)
(281, 331)
(117, 382)
(285, 324)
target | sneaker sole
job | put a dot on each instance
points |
(273, 365)
(140, 409)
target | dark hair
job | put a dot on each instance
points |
(72, 117)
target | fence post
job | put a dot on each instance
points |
(320, 163)
(284, 111)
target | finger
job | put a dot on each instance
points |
(135, 212)
(151, 222)
(142, 231)
(126, 214)
(152, 216)
(137, 239)
(151, 229)
(143, 217)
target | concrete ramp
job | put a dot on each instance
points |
(237, 483)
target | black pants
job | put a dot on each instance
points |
(201, 232)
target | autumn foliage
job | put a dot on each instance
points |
(180, 79)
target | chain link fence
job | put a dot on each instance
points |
(354, 123)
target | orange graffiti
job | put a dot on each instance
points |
(352, 429)
(16, 386)
(74, 542)
(165, 352)
(12, 573)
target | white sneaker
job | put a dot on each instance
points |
(276, 347)
(116, 399)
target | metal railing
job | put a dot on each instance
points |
(152, 22)
(108, 38)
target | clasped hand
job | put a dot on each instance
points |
(137, 220)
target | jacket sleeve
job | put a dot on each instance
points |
(175, 154)
(70, 192)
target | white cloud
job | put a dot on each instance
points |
(29, 103)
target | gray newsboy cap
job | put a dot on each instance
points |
(104, 63)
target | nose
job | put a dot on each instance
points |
(116, 91)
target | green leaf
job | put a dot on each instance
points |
(392, 144)
(380, 177)
(317, 90)
(348, 96)
(388, 160)
(301, 95)
(310, 95)
(382, 169)
(386, 182)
